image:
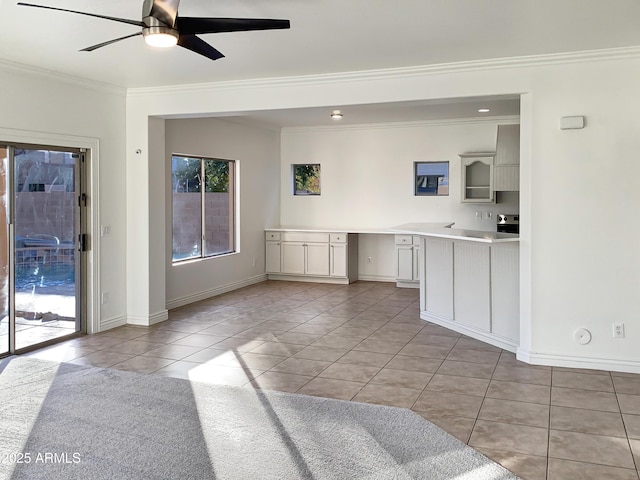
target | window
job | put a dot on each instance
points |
(203, 192)
(431, 178)
(306, 179)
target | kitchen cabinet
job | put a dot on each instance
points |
(477, 177)
(311, 256)
(506, 171)
(273, 256)
(472, 288)
(407, 257)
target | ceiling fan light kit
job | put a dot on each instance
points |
(162, 37)
(162, 27)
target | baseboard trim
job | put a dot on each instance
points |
(147, 321)
(489, 338)
(308, 279)
(196, 297)
(407, 284)
(573, 361)
(112, 323)
(376, 278)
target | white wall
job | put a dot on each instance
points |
(257, 153)
(37, 108)
(580, 264)
(367, 181)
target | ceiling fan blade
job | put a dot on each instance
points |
(195, 25)
(115, 19)
(197, 45)
(104, 44)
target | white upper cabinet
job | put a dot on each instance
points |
(506, 172)
(477, 177)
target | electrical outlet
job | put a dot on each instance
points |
(105, 230)
(105, 297)
(253, 263)
(369, 260)
(478, 215)
(618, 330)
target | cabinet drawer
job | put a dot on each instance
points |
(338, 237)
(305, 237)
(404, 240)
(272, 235)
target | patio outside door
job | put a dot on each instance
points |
(40, 280)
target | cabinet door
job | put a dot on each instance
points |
(273, 257)
(338, 260)
(293, 257)
(405, 262)
(317, 259)
(477, 178)
(471, 277)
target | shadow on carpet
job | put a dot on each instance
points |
(65, 421)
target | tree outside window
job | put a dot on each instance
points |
(306, 179)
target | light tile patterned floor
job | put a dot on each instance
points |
(365, 342)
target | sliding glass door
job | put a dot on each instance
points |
(4, 254)
(44, 244)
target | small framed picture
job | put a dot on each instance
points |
(431, 178)
(306, 179)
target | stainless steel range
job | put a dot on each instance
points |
(508, 223)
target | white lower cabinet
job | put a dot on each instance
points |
(407, 257)
(312, 256)
(317, 259)
(473, 288)
(338, 260)
(294, 258)
(273, 256)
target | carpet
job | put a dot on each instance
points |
(65, 421)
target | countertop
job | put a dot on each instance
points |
(441, 231)
(301, 228)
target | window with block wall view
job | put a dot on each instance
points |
(203, 201)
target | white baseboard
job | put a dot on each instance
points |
(308, 278)
(112, 323)
(491, 339)
(196, 297)
(572, 361)
(407, 284)
(376, 278)
(147, 321)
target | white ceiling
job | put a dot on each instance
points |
(326, 36)
(434, 110)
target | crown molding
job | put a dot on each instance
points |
(23, 69)
(400, 72)
(501, 120)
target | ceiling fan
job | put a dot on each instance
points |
(162, 27)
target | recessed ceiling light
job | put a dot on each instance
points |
(336, 114)
(483, 110)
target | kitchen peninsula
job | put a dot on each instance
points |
(469, 281)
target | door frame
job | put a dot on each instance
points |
(92, 213)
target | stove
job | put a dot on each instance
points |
(508, 223)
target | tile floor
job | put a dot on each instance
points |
(365, 342)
